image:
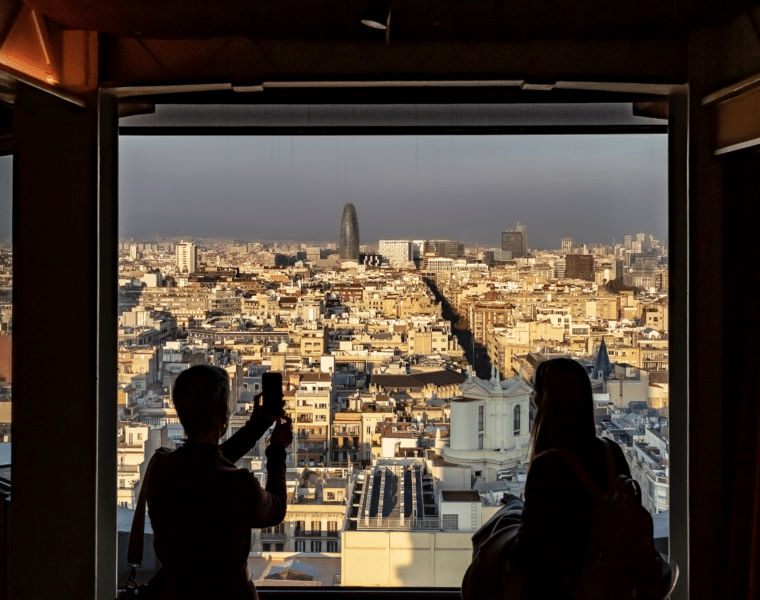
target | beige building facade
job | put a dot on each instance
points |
(407, 558)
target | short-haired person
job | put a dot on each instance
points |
(201, 506)
(536, 549)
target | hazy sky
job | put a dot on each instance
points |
(470, 188)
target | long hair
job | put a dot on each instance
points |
(564, 408)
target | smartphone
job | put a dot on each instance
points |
(271, 386)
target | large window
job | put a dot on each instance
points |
(540, 245)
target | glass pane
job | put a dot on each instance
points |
(383, 276)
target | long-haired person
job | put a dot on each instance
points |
(538, 549)
(551, 543)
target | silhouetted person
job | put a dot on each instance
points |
(536, 549)
(201, 506)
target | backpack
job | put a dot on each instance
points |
(621, 562)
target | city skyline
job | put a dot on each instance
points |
(210, 242)
(470, 188)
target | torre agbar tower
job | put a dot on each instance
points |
(349, 233)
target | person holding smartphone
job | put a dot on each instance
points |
(201, 506)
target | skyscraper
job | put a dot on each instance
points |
(524, 230)
(512, 241)
(349, 233)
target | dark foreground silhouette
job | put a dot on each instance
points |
(201, 506)
(581, 531)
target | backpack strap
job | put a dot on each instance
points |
(612, 473)
(619, 481)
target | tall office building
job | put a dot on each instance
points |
(512, 241)
(187, 257)
(567, 245)
(444, 248)
(619, 267)
(524, 230)
(559, 268)
(349, 234)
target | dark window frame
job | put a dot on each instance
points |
(677, 205)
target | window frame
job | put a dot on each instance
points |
(678, 239)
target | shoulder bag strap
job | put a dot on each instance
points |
(135, 552)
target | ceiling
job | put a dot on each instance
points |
(412, 20)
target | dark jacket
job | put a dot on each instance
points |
(531, 550)
(551, 541)
(202, 508)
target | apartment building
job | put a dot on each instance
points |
(429, 340)
(383, 303)
(606, 309)
(485, 314)
(313, 344)
(654, 316)
(180, 302)
(138, 367)
(316, 516)
(654, 354)
(311, 425)
(136, 443)
(621, 352)
(187, 257)
(348, 442)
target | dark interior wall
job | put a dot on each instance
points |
(741, 479)
(53, 142)
(64, 415)
(723, 421)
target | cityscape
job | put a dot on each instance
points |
(407, 370)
